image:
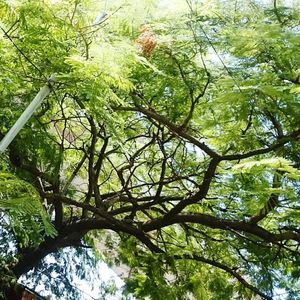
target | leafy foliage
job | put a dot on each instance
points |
(181, 163)
(21, 203)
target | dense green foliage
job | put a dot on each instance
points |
(181, 161)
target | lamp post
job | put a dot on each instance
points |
(28, 112)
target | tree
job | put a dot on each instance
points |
(182, 159)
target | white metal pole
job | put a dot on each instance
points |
(42, 94)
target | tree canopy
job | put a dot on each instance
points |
(170, 138)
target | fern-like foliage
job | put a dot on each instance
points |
(20, 203)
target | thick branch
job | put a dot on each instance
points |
(224, 224)
(113, 223)
(208, 176)
(70, 235)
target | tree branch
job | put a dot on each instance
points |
(227, 269)
(225, 224)
(150, 113)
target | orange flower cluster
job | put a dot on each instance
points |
(146, 41)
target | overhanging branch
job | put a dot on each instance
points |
(223, 224)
